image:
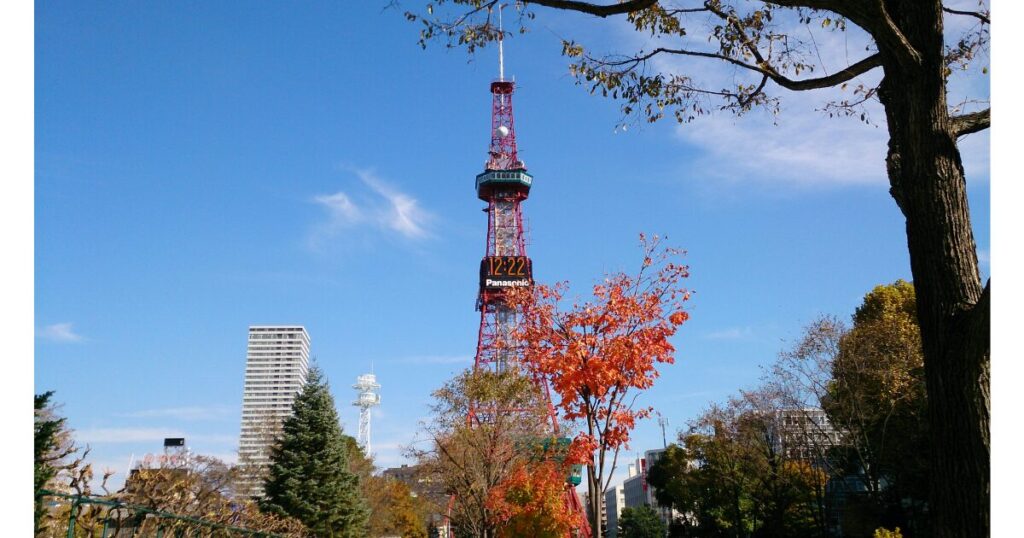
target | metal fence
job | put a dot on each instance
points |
(80, 516)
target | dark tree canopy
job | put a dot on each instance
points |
(640, 522)
(911, 50)
(877, 394)
(309, 476)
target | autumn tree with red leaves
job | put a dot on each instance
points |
(598, 354)
(531, 501)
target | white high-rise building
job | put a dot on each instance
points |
(276, 364)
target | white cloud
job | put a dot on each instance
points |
(340, 207)
(379, 206)
(96, 436)
(123, 435)
(403, 214)
(802, 149)
(733, 333)
(60, 332)
(182, 413)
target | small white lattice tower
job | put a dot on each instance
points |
(368, 398)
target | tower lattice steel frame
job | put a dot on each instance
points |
(366, 399)
(504, 185)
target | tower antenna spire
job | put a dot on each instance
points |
(502, 154)
(501, 48)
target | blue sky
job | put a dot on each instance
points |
(201, 167)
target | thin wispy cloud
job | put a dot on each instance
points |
(733, 333)
(97, 436)
(340, 208)
(375, 206)
(189, 413)
(60, 332)
(403, 214)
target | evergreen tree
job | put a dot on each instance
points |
(47, 428)
(52, 444)
(641, 522)
(309, 477)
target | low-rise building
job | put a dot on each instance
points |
(405, 474)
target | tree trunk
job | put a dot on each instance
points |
(593, 498)
(594, 494)
(927, 182)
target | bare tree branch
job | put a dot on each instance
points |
(983, 17)
(596, 9)
(970, 123)
(838, 77)
(767, 70)
(872, 16)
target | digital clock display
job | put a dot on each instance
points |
(498, 272)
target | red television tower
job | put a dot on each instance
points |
(504, 185)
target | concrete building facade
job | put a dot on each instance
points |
(637, 492)
(806, 434)
(277, 361)
(614, 502)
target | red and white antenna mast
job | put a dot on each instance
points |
(503, 154)
(501, 47)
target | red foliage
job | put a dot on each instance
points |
(531, 501)
(596, 352)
